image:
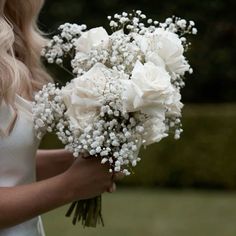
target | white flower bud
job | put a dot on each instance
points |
(98, 149)
(117, 168)
(70, 139)
(134, 163)
(75, 154)
(117, 163)
(194, 31)
(104, 160)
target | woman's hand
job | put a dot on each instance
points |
(85, 178)
(54, 162)
(88, 178)
(116, 177)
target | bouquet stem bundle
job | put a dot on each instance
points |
(88, 212)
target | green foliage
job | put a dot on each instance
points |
(203, 157)
(213, 51)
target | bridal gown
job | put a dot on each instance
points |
(18, 158)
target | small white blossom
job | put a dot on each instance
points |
(194, 31)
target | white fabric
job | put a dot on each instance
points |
(17, 158)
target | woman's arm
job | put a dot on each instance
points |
(22, 203)
(84, 179)
(53, 162)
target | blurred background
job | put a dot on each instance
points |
(185, 187)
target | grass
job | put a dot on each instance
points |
(149, 212)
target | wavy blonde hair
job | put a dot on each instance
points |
(21, 42)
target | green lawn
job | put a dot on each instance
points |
(142, 212)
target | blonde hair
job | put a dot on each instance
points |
(21, 42)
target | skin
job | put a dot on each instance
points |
(83, 179)
(50, 163)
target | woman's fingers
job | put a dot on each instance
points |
(112, 188)
(115, 177)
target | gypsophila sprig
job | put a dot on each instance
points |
(48, 109)
(125, 92)
(62, 45)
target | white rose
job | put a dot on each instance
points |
(171, 50)
(143, 41)
(148, 45)
(163, 48)
(148, 90)
(153, 57)
(83, 96)
(94, 38)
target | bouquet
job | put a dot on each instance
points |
(124, 94)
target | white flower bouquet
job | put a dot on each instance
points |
(125, 92)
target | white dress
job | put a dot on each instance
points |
(17, 158)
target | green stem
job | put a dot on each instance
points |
(88, 212)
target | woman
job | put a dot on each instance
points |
(60, 179)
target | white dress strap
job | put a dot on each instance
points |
(8, 114)
(24, 104)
